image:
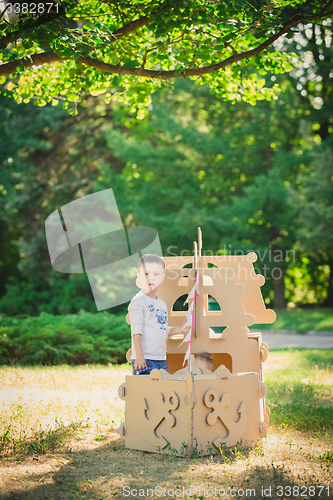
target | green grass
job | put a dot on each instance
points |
(70, 416)
(300, 389)
(302, 320)
(43, 409)
(40, 441)
(299, 382)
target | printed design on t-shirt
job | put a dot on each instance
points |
(161, 318)
(151, 308)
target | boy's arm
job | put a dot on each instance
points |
(136, 316)
(175, 330)
(140, 361)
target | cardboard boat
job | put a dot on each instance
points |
(183, 410)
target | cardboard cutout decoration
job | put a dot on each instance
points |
(193, 406)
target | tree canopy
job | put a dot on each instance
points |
(110, 46)
(253, 177)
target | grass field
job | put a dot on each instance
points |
(303, 320)
(59, 438)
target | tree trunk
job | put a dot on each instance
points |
(329, 299)
(278, 279)
(279, 298)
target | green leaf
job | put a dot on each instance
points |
(131, 64)
(68, 52)
(175, 39)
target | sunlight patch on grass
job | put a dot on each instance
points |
(56, 404)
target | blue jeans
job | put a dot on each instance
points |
(151, 365)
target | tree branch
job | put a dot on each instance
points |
(35, 60)
(50, 57)
(123, 31)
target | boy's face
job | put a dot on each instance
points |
(151, 276)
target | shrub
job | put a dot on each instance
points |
(71, 339)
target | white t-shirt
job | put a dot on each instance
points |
(149, 319)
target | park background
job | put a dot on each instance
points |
(255, 174)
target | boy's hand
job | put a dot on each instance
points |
(140, 363)
(185, 329)
(179, 329)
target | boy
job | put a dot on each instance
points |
(204, 360)
(148, 315)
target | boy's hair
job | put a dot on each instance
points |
(151, 258)
(206, 356)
